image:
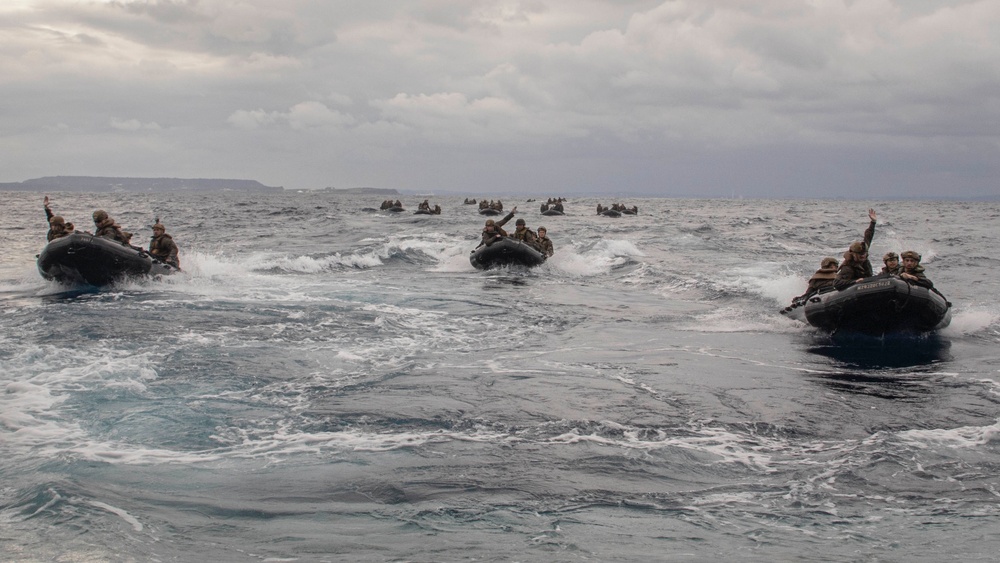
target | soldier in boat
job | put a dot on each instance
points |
(493, 231)
(891, 261)
(543, 242)
(162, 246)
(913, 272)
(523, 233)
(821, 279)
(106, 227)
(58, 227)
(856, 266)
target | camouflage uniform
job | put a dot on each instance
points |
(917, 271)
(58, 227)
(898, 269)
(107, 228)
(523, 233)
(163, 248)
(821, 278)
(544, 244)
(490, 235)
(853, 268)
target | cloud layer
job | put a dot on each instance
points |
(775, 98)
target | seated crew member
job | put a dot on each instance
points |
(543, 242)
(163, 247)
(855, 266)
(107, 228)
(493, 231)
(58, 227)
(821, 278)
(523, 233)
(913, 272)
(891, 261)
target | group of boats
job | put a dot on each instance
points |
(878, 305)
(616, 210)
(422, 209)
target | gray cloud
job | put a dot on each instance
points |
(770, 98)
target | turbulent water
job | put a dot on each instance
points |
(327, 382)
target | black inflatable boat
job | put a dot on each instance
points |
(878, 305)
(82, 258)
(506, 252)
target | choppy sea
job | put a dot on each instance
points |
(327, 382)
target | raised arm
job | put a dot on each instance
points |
(507, 217)
(870, 231)
(48, 212)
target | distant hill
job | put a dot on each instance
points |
(374, 191)
(116, 184)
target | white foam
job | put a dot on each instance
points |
(617, 247)
(42, 378)
(457, 262)
(724, 446)
(782, 288)
(735, 319)
(27, 281)
(578, 265)
(971, 321)
(451, 257)
(119, 512)
(282, 443)
(417, 329)
(202, 265)
(964, 437)
(595, 260)
(768, 279)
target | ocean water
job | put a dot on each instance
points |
(326, 382)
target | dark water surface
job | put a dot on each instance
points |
(326, 382)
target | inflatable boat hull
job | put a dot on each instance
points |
(81, 258)
(878, 305)
(506, 252)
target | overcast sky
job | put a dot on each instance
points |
(753, 98)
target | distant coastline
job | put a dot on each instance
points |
(124, 184)
(82, 184)
(373, 191)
